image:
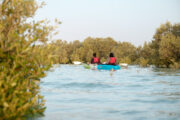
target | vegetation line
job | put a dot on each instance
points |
(162, 51)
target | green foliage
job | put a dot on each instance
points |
(169, 49)
(102, 46)
(163, 29)
(143, 62)
(22, 62)
(75, 57)
(125, 52)
(125, 60)
(82, 51)
(162, 51)
(88, 55)
(165, 46)
(146, 52)
(58, 52)
(175, 65)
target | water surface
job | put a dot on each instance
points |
(75, 93)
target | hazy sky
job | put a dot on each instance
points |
(134, 21)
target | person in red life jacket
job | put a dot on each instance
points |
(95, 60)
(111, 60)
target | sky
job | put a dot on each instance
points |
(132, 21)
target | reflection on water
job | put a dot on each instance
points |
(75, 93)
(166, 72)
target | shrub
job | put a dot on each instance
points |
(22, 61)
(143, 62)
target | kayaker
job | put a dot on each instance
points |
(95, 60)
(111, 60)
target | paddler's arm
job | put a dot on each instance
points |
(108, 60)
(116, 61)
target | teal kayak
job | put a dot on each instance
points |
(108, 67)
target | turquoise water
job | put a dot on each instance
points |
(75, 93)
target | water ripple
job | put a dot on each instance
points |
(75, 93)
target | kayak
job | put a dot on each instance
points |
(108, 67)
(76, 63)
(90, 66)
(87, 66)
(123, 65)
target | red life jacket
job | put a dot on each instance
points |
(95, 60)
(112, 60)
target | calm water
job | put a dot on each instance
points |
(75, 93)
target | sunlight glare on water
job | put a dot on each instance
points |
(75, 93)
